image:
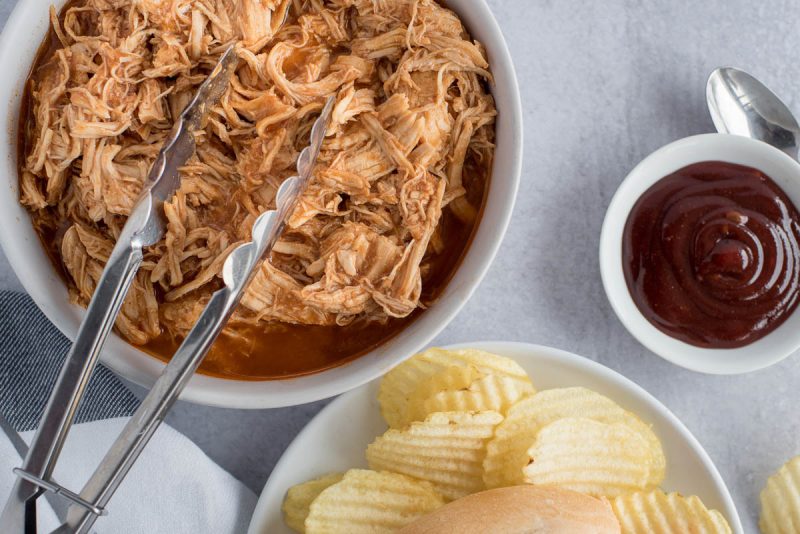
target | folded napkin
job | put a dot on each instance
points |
(173, 488)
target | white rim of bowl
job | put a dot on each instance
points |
(757, 355)
(255, 394)
(555, 355)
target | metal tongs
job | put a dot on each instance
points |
(145, 227)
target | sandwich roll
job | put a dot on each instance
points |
(520, 510)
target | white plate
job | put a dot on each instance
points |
(335, 440)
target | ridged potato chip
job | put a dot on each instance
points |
(299, 498)
(507, 452)
(490, 393)
(656, 512)
(599, 459)
(447, 449)
(450, 378)
(399, 384)
(780, 500)
(370, 502)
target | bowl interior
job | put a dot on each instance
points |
(770, 349)
(19, 41)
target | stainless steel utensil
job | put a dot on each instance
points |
(237, 271)
(144, 227)
(742, 105)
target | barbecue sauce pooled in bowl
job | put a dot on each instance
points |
(711, 255)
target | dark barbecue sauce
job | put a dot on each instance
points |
(711, 255)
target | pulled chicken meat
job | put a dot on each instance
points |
(411, 107)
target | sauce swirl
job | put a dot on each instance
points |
(711, 255)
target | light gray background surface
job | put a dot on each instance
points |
(603, 84)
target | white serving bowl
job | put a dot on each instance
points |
(785, 171)
(25, 30)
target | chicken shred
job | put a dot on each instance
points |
(411, 108)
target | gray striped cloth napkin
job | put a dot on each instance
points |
(32, 351)
(173, 488)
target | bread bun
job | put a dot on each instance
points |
(520, 510)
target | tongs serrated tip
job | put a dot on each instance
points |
(240, 264)
(145, 226)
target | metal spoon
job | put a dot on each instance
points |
(742, 105)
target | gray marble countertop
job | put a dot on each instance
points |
(603, 85)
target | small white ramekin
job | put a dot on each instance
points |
(785, 171)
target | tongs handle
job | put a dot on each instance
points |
(82, 358)
(151, 412)
(71, 384)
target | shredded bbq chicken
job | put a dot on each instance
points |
(411, 108)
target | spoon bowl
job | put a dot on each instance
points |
(742, 105)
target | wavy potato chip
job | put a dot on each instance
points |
(299, 498)
(399, 384)
(584, 455)
(780, 500)
(370, 502)
(656, 512)
(450, 378)
(447, 449)
(507, 452)
(489, 393)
